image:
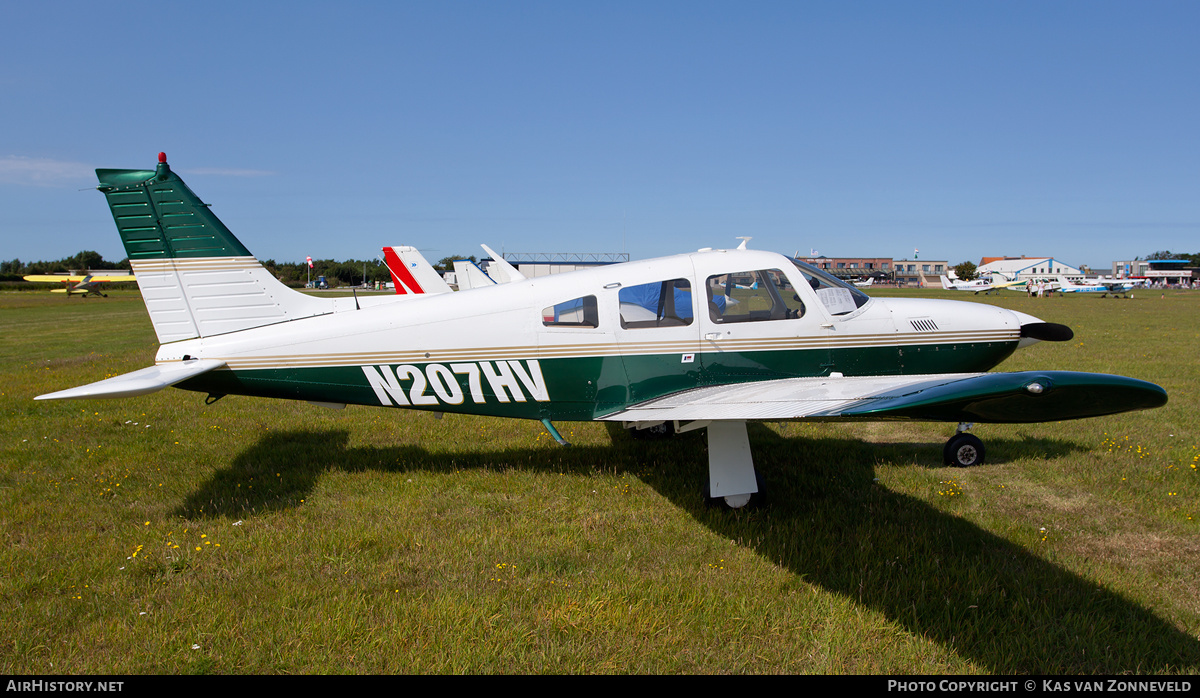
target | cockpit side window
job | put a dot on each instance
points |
(838, 297)
(577, 312)
(657, 304)
(752, 296)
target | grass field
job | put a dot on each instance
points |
(160, 535)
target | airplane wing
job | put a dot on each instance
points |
(56, 278)
(1022, 397)
(147, 380)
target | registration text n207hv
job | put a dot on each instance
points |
(440, 384)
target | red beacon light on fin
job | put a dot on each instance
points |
(162, 157)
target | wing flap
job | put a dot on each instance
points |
(1022, 397)
(147, 380)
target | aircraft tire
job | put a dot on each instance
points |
(755, 501)
(963, 451)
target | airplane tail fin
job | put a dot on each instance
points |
(411, 273)
(501, 270)
(469, 275)
(946, 282)
(196, 278)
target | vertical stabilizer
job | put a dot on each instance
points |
(500, 269)
(469, 275)
(196, 278)
(411, 272)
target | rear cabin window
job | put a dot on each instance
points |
(658, 304)
(577, 312)
(752, 296)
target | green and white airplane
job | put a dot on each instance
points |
(707, 340)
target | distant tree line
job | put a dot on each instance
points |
(14, 269)
(352, 271)
(348, 273)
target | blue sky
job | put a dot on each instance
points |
(963, 129)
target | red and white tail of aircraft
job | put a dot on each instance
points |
(411, 272)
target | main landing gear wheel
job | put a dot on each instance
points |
(737, 501)
(963, 450)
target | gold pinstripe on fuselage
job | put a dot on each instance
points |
(551, 351)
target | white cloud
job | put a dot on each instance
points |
(44, 172)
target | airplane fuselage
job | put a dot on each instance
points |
(710, 340)
(585, 350)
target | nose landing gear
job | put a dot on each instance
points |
(963, 450)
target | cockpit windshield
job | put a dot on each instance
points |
(838, 297)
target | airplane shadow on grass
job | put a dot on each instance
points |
(827, 521)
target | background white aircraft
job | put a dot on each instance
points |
(411, 272)
(1102, 286)
(470, 275)
(976, 285)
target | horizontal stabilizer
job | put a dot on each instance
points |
(147, 380)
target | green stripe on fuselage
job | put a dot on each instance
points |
(581, 388)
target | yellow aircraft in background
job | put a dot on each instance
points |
(86, 284)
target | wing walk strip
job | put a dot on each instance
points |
(607, 349)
